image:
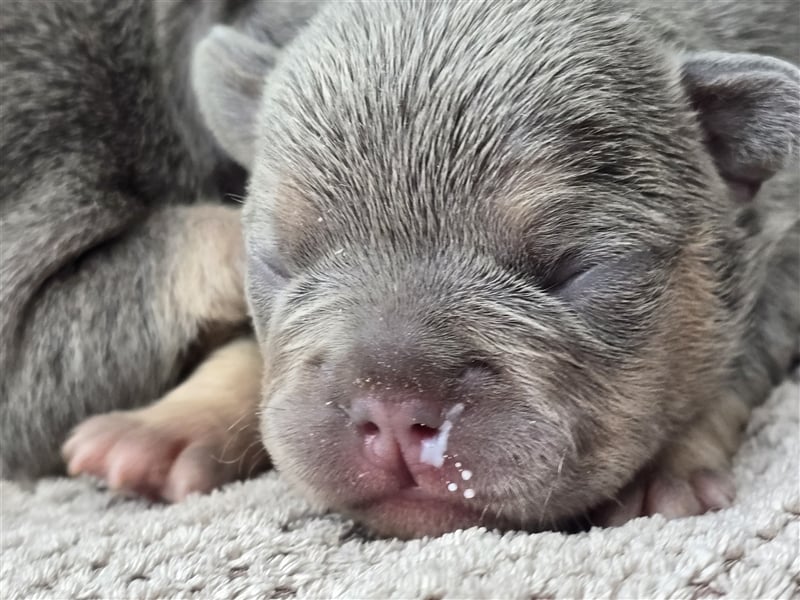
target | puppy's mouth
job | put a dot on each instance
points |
(413, 512)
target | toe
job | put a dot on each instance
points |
(626, 506)
(715, 489)
(141, 460)
(671, 497)
(86, 449)
(88, 457)
(196, 470)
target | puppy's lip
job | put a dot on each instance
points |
(424, 490)
(413, 493)
(415, 512)
(423, 500)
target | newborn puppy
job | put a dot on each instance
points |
(515, 263)
(496, 260)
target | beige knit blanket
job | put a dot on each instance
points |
(69, 539)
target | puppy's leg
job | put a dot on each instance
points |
(690, 476)
(113, 325)
(200, 435)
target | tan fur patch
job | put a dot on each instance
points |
(709, 442)
(207, 266)
(682, 372)
(227, 383)
(294, 217)
(711, 436)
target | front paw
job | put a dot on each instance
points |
(158, 460)
(204, 433)
(658, 491)
(690, 476)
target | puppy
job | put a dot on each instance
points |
(513, 264)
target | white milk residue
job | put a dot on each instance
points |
(469, 493)
(433, 449)
(466, 474)
(452, 487)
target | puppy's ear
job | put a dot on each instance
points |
(749, 107)
(228, 74)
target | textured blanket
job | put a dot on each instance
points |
(68, 539)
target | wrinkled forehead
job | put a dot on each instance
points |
(516, 133)
(538, 213)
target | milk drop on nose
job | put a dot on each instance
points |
(434, 448)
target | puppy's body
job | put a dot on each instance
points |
(509, 260)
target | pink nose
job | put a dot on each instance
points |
(394, 433)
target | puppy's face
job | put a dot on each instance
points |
(480, 262)
(424, 392)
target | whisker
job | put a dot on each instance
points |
(239, 458)
(256, 460)
(237, 421)
(235, 435)
(483, 513)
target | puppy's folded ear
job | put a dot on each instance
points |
(228, 73)
(749, 107)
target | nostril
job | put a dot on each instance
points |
(369, 429)
(423, 432)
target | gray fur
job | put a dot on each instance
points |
(426, 176)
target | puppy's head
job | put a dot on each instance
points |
(484, 249)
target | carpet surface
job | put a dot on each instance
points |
(68, 539)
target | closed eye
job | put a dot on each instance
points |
(561, 277)
(582, 282)
(575, 283)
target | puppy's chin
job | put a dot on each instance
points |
(412, 513)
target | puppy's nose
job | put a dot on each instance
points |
(402, 434)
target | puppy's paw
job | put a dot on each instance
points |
(162, 460)
(690, 477)
(661, 492)
(204, 433)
